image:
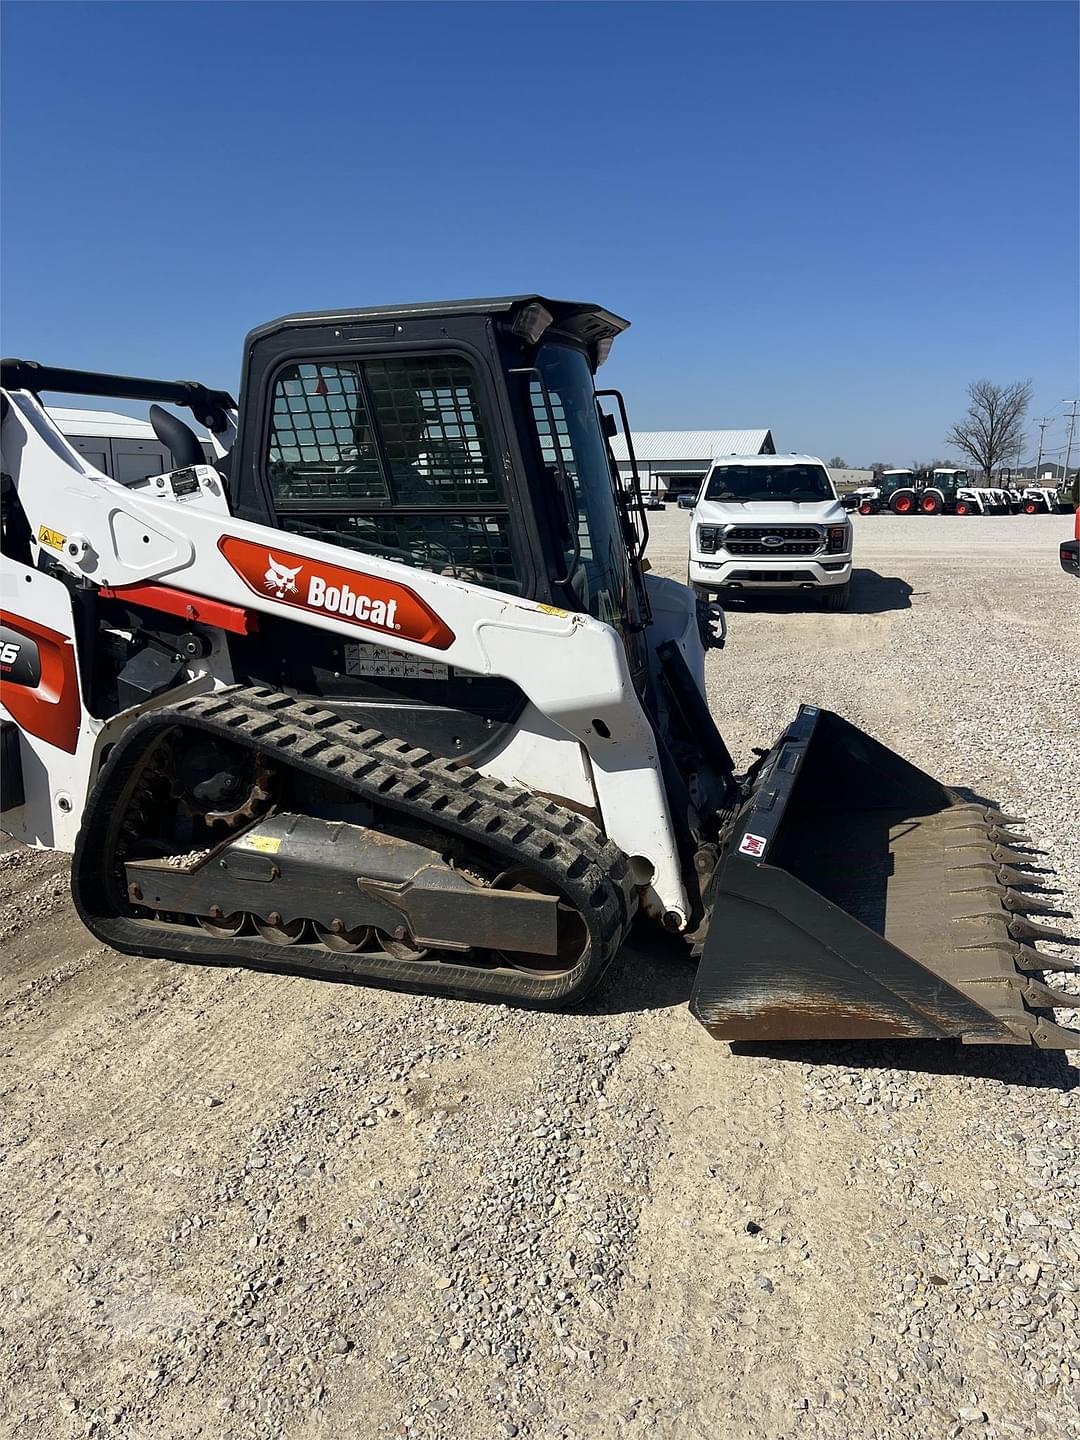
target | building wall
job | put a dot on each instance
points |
(668, 476)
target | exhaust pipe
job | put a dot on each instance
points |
(177, 437)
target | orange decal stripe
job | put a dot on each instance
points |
(320, 588)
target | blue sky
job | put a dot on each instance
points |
(823, 218)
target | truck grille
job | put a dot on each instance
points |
(797, 540)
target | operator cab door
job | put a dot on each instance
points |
(395, 451)
(398, 450)
(428, 440)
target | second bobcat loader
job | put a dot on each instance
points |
(387, 693)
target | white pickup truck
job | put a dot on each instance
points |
(770, 523)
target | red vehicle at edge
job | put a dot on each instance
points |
(1069, 552)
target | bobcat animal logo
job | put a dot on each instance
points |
(280, 579)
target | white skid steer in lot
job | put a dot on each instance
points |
(387, 694)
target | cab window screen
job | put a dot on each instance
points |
(321, 442)
(392, 457)
(469, 547)
(436, 445)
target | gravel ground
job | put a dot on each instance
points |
(239, 1205)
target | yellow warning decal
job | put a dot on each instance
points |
(52, 538)
(267, 844)
(553, 610)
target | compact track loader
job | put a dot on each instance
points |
(387, 693)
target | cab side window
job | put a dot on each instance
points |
(321, 442)
(393, 457)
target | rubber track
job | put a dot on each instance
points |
(587, 869)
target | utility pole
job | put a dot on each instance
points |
(1042, 423)
(1068, 444)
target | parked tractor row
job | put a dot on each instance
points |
(945, 491)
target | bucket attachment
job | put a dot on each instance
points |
(857, 897)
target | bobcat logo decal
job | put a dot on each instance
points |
(280, 579)
(338, 595)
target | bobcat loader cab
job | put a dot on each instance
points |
(386, 694)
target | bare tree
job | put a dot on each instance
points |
(994, 422)
(879, 465)
(838, 463)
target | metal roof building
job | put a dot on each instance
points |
(118, 445)
(674, 461)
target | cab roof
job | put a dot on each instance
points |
(579, 317)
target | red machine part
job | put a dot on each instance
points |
(169, 601)
(51, 709)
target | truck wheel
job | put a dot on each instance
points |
(930, 505)
(902, 504)
(836, 596)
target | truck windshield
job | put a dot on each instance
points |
(602, 576)
(769, 482)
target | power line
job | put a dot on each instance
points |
(1042, 423)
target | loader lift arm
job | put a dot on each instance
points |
(210, 407)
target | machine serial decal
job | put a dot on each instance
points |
(752, 845)
(52, 538)
(324, 588)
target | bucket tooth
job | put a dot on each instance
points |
(1025, 904)
(981, 850)
(1028, 958)
(1043, 997)
(1003, 874)
(1010, 876)
(1049, 1036)
(998, 817)
(1034, 992)
(1008, 837)
(1006, 856)
(1021, 929)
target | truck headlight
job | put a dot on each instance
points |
(706, 539)
(838, 538)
